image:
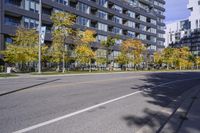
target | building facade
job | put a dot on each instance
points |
(176, 30)
(139, 19)
(194, 7)
(186, 32)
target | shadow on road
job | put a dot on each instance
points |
(162, 96)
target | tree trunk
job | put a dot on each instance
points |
(107, 58)
(63, 69)
(58, 67)
(167, 66)
(90, 69)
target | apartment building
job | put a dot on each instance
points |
(176, 31)
(186, 32)
(139, 19)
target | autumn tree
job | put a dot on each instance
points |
(183, 57)
(169, 56)
(100, 57)
(23, 50)
(123, 59)
(62, 30)
(197, 61)
(108, 45)
(158, 59)
(135, 48)
(83, 50)
(84, 55)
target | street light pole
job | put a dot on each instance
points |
(39, 29)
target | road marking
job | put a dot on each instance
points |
(90, 108)
(74, 113)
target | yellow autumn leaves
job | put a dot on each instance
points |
(176, 58)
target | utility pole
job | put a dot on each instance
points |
(39, 43)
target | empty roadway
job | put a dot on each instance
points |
(98, 103)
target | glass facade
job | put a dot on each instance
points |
(144, 22)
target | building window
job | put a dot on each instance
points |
(117, 20)
(131, 34)
(153, 47)
(31, 5)
(101, 38)
(152, 30)
(83, 8)
(142, 37)
(13, 21)
(117, 30)
(131, 14)
(64, 2)
(30, 23)
(117, 8)
(102, 27)
(83, 21)
(102, 15)
(130, 24)
(103, 3)
(143, 18)
(13, 2)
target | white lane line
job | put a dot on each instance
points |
(90, 108)
(73, 114)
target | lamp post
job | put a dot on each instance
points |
(39, 42)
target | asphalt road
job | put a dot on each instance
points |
(104, 103)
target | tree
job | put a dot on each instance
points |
(123, 59)
(168, 56)
(62, 24)
(197, 61)
(24, 48)
(135, 48)
(83, 50)
(158, 60)
(183, 57)
(88, 37)
(108, 44)
(100, 57)
(84, 55)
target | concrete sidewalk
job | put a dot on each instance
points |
(29, 75)
(186, 119)
(192, 123)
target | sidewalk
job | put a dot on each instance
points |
(186, 119)
(192, 123)
(30, 75)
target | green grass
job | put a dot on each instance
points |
(72, 72)
(4, 75)
(87, 72)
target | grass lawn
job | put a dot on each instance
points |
(72, 72)
(84, 72)
(4, 75)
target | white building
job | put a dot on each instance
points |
(177, 30)
(194, 7)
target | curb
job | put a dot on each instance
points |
(85, 74)
(169, 112)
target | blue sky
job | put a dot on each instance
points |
(176, 10)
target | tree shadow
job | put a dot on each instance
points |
(162, 94)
